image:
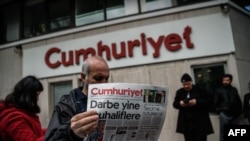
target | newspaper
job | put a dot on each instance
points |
(127, 111)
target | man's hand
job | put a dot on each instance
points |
(191, 102)
(84, 123)
(183, 104)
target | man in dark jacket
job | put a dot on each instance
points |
(70, 120)
(228, 103)
(193, 119)
(246, 105)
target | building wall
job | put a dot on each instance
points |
(165, 73)
(240, 27)
(10, 69)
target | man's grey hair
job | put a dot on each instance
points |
(86, 63)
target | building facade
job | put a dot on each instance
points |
(150, 42)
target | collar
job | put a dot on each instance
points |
(80, 95)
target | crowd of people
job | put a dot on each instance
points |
(72, 121)
(193, 103)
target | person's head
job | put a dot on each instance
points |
(186, 81)
(25, 94)
(227, 79)
(94, 70)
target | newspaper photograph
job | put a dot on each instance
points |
(128, 111)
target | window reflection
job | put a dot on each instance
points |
(89, 11)
(150, 5)
(10, 22)
(34, 18)
(59, 14)
(38, 17)
(120, 8)
(184, 2)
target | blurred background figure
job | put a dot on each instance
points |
(246, 105)
(18, 112)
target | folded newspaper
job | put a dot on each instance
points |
(128, 111)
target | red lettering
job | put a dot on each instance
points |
(70, 58)
(186, 36)
(122, 53)
(131, 45)
(84, 53)
(143, 44)
(93, 91)
(102, 48)
(172, 42)
(156, 45)
(47, 57)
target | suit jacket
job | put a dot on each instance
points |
(197, 114)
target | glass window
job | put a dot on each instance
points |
(119, 8)
(89, 11)
(34, 25)
(59, 14)
(59, 89)
(150, 5)
(208, 77)
(245, 4)
(184, 2)
(10, 22)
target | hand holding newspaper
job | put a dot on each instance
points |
(128, 111)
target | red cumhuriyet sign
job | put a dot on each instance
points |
(172, 42)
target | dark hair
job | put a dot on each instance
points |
(24, 95)
(186, 78)
(229, 76)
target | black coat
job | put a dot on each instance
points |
(227, 100)
(59, 126)
(198, 113)
(246, 106)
